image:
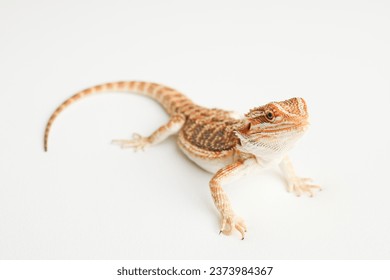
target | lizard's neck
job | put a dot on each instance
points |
(269, 147)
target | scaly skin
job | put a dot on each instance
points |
(217, 141)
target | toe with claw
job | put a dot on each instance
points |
(230, 222)
(302, 185)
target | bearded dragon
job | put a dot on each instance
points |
(217, 140)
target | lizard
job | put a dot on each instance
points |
(218, 140)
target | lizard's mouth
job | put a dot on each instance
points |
(249, 130)
(284, 133)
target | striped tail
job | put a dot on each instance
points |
(169, 98)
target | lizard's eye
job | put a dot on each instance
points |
(269, 115)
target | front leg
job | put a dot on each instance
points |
(295, 183)
(229, 220)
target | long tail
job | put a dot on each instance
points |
(169, 98)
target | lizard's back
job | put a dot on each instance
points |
(208, 137)
(210, 129)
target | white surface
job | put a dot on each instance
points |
(87, 199)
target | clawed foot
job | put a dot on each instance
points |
(138, 142)
(230, 222)
(302, 185)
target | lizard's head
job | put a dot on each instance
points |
(273, 127)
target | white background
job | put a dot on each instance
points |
(87, 199)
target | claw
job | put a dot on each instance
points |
(229, 223)
(240, 229)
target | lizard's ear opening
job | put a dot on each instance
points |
(245, 128)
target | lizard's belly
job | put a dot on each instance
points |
(210, 165)
(210, 161)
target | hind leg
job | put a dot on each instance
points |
(139, 142)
